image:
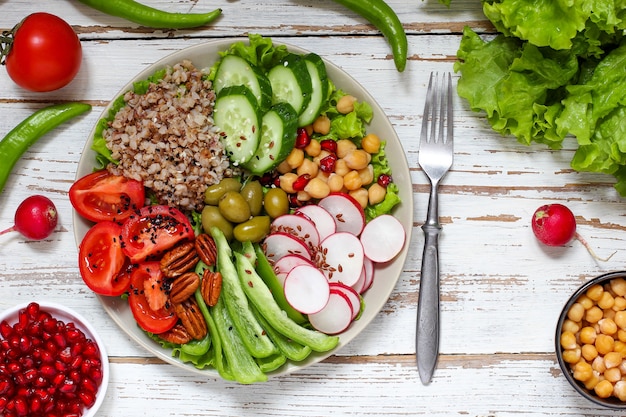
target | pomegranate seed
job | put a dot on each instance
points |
(327, 163)
(329, 145)
(384, 180)
(301, 182)
(303, 139)
(47, 367)
(293, 201)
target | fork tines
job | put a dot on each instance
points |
(438, 107)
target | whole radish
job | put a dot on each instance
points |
(35, 218)
(555, 225)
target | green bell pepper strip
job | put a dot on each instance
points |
(271, 363)
(261, 297)
(266, 272)
(256, 341)
(151, 17)
(26, 133)
(241, 364)
(197, 347)
(290, 349)
(382, 16)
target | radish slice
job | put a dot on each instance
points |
(341, 258)
(298, 226)
(288, 262)
(346, 211)
(383, 238)
(335, 317)
(306, 289)
(321, 218)
(368, 270)
(277, 245)
(360, 284)
(353, 296)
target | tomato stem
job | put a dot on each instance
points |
(6, 41)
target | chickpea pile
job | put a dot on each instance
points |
(593, 339)
(314, 171)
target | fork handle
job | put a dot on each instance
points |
(427, 336)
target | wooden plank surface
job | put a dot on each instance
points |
(501, 290)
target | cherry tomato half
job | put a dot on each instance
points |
(158, 321)
(101, 260)
(103, 196)
(153, 230)
(45, 54)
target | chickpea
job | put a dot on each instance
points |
(571, 326)
(287, 180)
(604, 344)
(357, 159)
(620, 319)
(620, 303)
(618, 285)
(594, 314)
(283, 167)
(595, 292)
(303, 196)
(309, 129)
(589, 352)
(335, 182)
(613, 375)
(346, 104)
(588, 335)
(295, 158)
(308, 167)
(568, 340)
(376, 193)
(603, 389)
(352, 181)
(612, 360)
(370, 143)
(317, 188)
(576, 312)
(341, 168)
(344, 146)
(621, 335)
(585, 301)
(598, 364)
(572, 355)
(606, 300)
(582, 371)
(619, 390)
(323, 154)
(367, 174)
(313, 149)
(321, 125)
(608, 326)
(592, 382)
(360, 196)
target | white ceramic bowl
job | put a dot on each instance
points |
(68, 315)
(203, 56)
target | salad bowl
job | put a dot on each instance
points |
(203, 56)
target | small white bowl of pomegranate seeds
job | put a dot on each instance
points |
(52, 362)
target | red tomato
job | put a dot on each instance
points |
(158, 321)
(45, 54)
(103, 196)
(101, 260)
(154, 230)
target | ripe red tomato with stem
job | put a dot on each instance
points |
(41, 53)
(103, 196)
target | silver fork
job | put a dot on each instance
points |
(435, 158)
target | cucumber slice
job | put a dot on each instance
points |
(234, 70)
(278, 137)
(291, 82)
(237, 115)
(319, 82)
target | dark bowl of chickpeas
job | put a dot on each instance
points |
(591, 340)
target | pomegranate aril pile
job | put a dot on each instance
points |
(47, 367)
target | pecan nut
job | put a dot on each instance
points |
(191, 317)
(183, 287)
(177, 334)
(178, 260)
(206, 249)
(211, 287)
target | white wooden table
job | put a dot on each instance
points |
(501, 291)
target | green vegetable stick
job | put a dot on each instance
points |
(261, 297)
(256, 341)
(242, 365)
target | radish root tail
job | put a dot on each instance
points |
(590, 250)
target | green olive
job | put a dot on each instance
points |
(252, 230)
(252, 192)
(214, 192)
(234, 207)
(276, 202)
(211, 216)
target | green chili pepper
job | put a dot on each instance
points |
(151, 17)
(25, 134)
(378, 13)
